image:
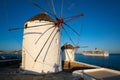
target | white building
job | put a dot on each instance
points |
(40, 51)
(68, 52)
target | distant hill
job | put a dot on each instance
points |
(1, 51)
(11, 52)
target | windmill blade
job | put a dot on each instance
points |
(43, 34)
(41, 8)
(49, 5)
(68, 35)
(80, 46)
(53, 8)
(77, 47)
(49, 46)
(72, 17)
(67, 11)
(61, 8)
(75, 16)
(44, 45)
(11, 29)
(83, 46)
(71, 29)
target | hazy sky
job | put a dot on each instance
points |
(99, 27)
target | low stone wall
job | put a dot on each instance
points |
(71, 66)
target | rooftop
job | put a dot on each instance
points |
(41, 16)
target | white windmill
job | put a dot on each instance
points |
(37, 56)
(68, 52)
(41, 41)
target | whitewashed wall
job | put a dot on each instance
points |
(31, 49)
(68, 54)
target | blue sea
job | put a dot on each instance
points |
(9, 56)
(113, 61)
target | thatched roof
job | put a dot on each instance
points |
(67, 46)
(41, 16)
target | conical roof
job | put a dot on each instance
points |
(67, 46)
(41, 16)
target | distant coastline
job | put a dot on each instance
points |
(109, 53)
(11, 52)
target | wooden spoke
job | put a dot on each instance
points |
(49, 46)
(68, 35)
(61, 8)
(72, 17)
(49, 5)
(41, 8)
(44, 45)
(11, 29)
(53, 8)
(43, 34)
(71, 29)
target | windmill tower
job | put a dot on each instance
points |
(41, 47)
(68, 52)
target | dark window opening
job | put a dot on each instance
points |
(25, 26)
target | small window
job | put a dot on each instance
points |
(25, 26)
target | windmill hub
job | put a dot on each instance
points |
(59, 22)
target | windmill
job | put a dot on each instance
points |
(41, 40)
(68, 52)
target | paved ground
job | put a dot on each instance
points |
(13, 74)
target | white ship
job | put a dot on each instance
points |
(96, 52)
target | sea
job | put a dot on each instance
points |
(112, 61)
(11, 56)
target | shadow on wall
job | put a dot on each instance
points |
(56, 69)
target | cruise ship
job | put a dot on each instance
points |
(96, 52)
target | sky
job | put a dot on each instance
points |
(98, 28)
